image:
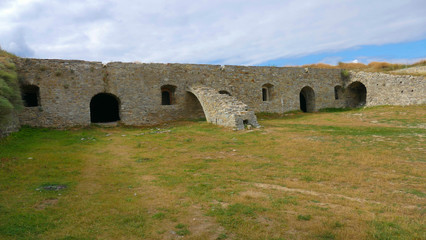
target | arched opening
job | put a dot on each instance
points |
(30, 95)
(167, 94)
(224, 92)
(104, 107)
(307, 99)
(338, 92)
(193, 108)
(356, 95)
(267, 92)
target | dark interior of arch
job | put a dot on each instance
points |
(302, 102)
(356, 95)
(307, 99)
(264, 94)
(30, 95)
(104, 108)
(165, 98)
(193, 107)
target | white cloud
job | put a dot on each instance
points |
(228, 32)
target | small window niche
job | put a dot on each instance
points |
(224, 92)
(30, 95)
(168, 95)
(267, 92)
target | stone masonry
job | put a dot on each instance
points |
(387, 89)
(66, 88)
(222, 109)
(9, 124)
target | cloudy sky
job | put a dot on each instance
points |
(243, 32)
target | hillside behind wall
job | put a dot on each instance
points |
(389, 89)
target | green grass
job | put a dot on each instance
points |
(416, 192)
(356, 174)
(182, 230)
(385, 230)
(304, 217)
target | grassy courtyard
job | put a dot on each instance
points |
(356, 174)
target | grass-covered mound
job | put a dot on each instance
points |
(10, 98)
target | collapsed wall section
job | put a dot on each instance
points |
(223, 109)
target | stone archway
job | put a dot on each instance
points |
(222, 109)
(193, 108)
(104, 107)
(356, 95)
(307, 99)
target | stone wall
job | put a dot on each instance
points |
(9, 124)
(387, 89)
(67, 87)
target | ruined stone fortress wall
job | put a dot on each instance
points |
(66, 88)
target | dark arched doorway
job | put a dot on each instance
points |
(307, 99)
(356, 95)
(104, 107)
